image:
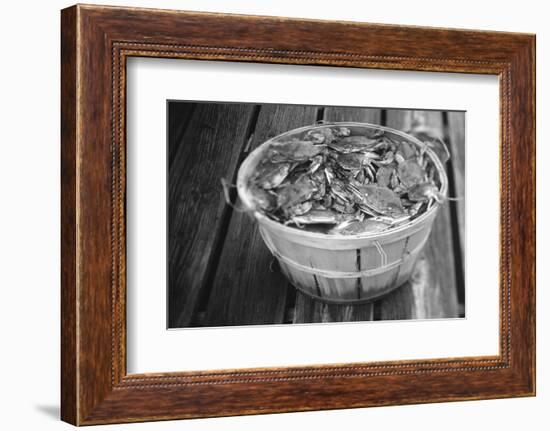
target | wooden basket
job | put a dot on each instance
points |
(342, 268)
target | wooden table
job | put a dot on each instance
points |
(221, 273)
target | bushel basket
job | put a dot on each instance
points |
(343, 268)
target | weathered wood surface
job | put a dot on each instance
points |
(236, 281)
(361, 115)
(432, 291)
(457, 129)
(212, 143)
(246, 289)
(179, 116)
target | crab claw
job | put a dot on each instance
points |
(440, 149)
(425, 191)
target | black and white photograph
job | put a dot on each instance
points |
(282, 214)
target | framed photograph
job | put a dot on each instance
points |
(256, 272)
(317, 215)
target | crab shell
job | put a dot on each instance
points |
(388, 159)
(406, 150)
(379, 199)
(293, 194)
(271, 175)
(299, 209)
(293, 151)
(352, 144)
(383, 175)
(329, 174)
(410, 173)
(315, 137)
(338, 189)
(354, 161)
(321, 136)
(263, 199)
(424, 192)
(320, 182)
(316, 163)
(342, 131)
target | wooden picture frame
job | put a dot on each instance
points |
(96, 41)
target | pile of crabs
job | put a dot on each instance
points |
(334, 181)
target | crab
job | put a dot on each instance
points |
(320, 182)
(439, 148)
(263, 199)
(415, 208)
(424, 192)
(323, 135)
(410, 173)
(339, 190)
(352, 144)
(296, 193)
(360, 176)
(370, 173)
(384, 143)
(316, 163)
(271, 175)
(341, 131)
(406, 150)
(354, 161)
(329, 174)
(298, 209)
(389, 158)
(293, 151)
(384, 174)
(377, 199)
(316, 137)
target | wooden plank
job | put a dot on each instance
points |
(209, 150)
(361, 115)
(308, 310)
(179, 116)
(400, 119)
(456, 124)
(246, 290)
(432, 293)
(434, 123)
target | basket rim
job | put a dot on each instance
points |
(244, 195)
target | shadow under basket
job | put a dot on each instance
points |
(343, 269)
